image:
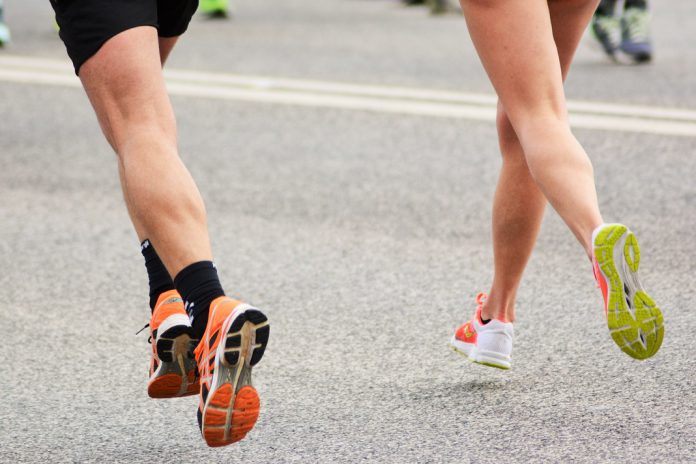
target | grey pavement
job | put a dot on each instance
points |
(365, 238)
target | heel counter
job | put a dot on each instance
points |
(496, 340)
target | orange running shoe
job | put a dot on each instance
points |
(234, 341)
(489, 344)
(172, 368)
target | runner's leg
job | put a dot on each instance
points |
(518, 209)
(519, 204)
(166, 44)
(124, 82)
(515, 41)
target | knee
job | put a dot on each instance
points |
(139, 145)
(507, 137)
(540, 124)
(143, 133)
(550, 142)
(129, 117)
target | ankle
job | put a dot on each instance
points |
(502, 313)
(499, 305)
(158, 278)
(198, 285)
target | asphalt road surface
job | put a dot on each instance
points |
(358, 218)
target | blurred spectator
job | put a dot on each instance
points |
(435, 6)
(628, 34)
(4, 30)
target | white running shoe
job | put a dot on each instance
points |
(489, 344)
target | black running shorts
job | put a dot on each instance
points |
(85, 25)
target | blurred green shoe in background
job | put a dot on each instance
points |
(215, 8)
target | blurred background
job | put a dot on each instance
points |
(347, 154)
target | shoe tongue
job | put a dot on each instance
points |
(172, 295)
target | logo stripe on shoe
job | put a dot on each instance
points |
(487, 344)
(635, 322)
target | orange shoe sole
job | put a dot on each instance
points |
(170, 386)
(228, 417)
(176, 374)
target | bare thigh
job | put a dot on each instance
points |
(526, 47)
(569, 20)
(166, 44)
(124, 83)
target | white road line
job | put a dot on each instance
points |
(398, 100)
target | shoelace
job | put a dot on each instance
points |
(609, 25)
(607, 22)
(480, 301)
(637, 25)
(149, 339)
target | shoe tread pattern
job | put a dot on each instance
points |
(176, 373)
(232, 409)
(635, 322)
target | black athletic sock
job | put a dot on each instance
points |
(606, 8)
(485, 321)
(199, 285)
(157, 275)
(642, 4)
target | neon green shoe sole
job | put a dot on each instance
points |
(634, 320)
(488, 362)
